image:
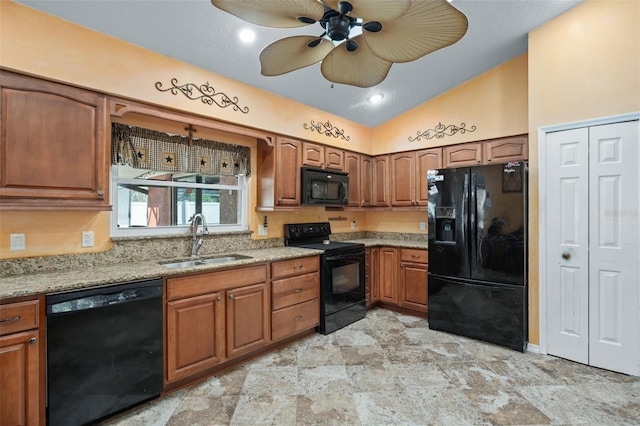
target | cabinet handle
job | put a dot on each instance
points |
(16, 318)
(415, 256)
(297, 290)
(279, 200)
(231, 296)
(100, 193)
(298, 267)
(298, 318)
(32, 341)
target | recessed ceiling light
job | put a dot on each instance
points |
(376, 99)
(247, 36)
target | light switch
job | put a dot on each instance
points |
(18, 242)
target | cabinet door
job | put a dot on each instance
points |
(288, 172)
(53, 145)
(467, 154)
(403, 179)
(375, 275)
(20, 373)
(388, 275)
(414, 286)
(380, 181)
(195, 335)
(506, 149)
(366, 181)
(334, 158)
(427, 159)
(313, 155)
(352, 163)
(247, 319)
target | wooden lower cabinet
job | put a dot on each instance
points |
(209, 323)
(295, 296)
(247, 319)
(413, 279)
(397, 277)
(22, 375)
(388, 274)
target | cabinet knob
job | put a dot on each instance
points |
(231, 296)
(279, 200)
(219, 299)
(32, 341)
(297, 290)
(298, 318)
(100, 193)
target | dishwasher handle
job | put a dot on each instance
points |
(104, 296)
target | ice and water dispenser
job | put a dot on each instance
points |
(446, 224)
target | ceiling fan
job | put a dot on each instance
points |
(392, 31)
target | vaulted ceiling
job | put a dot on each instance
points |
(196, 32)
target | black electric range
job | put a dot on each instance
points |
(342, 276)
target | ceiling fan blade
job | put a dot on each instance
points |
(427, 26)
(292, 53)
(358, 68)
(273, 13)
(381, 10)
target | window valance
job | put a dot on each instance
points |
(150, 149)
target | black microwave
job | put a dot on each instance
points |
(321, 187)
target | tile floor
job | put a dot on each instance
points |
(390, 369)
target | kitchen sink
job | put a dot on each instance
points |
(205, 261)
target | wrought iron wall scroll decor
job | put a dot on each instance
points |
(441, 131)
(327, 129)
(203, 92)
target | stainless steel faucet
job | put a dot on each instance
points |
(197, 242)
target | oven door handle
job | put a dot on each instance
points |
(358, 257)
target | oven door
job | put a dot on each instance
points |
(342, 280)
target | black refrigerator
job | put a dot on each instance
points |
(477, 284)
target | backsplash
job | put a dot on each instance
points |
(170, 247)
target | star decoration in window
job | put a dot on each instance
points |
(139, 154)
(169, 159)
(203, 162)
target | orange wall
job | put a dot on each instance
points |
(495, 102)
(582, 65)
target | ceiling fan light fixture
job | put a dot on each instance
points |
(376, 98)
(247, 36)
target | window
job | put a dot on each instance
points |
(159, 181)
(156, 203)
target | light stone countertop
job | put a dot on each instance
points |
(73, 279)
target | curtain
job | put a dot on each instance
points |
(150, 149)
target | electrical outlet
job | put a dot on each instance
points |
(423, 226)
(18, 242)
(353, 225)
(262, 230)
(87, 239)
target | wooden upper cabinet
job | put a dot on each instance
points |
(53, 146)
(380, 193)
(464, 155)
(366, 180)
(506, 149)
(323, 157)
(403, 179)
(352, 166)
(427, 159)
(288, 154)
(409, 176)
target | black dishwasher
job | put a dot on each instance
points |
(104, 351)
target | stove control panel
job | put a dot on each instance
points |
(306, 230)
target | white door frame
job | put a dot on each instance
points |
(542, 206)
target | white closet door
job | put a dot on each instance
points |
(568, 244)
(614, 260)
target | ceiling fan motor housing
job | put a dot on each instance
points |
(338, 28)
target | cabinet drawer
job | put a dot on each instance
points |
(193, 285)
(287, 268)
(289, 291)
(414, 255)
(288, 321)
(19, 316)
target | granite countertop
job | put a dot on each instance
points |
(73, 279)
